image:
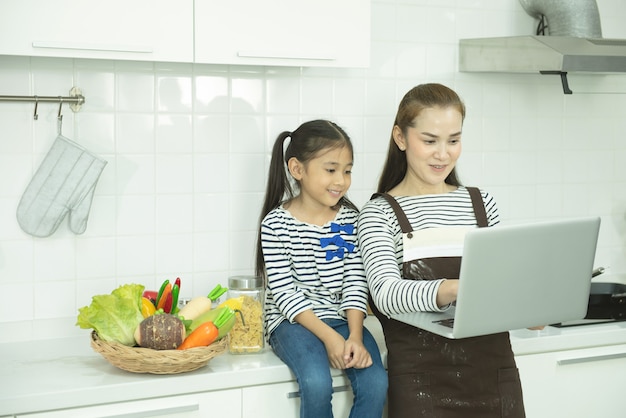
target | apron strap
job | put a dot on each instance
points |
(479, 207)
(405, 225)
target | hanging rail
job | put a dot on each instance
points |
(75, 99)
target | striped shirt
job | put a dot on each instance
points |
(380, 242)
(310, 267)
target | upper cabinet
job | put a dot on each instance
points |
(307, 33)
(143, 30)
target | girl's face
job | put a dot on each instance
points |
(433, 146)
(326, 178)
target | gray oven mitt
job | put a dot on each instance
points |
(64, 182)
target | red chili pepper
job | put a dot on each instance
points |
(167, 306)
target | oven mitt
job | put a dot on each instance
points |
(64, 182)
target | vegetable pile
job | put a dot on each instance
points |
(133, 316)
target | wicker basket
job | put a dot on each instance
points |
(146, 360)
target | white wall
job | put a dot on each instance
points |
(188, 147)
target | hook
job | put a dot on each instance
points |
(35, 115)
(60, 116)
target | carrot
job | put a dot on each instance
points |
(202, 336)
(166, 291)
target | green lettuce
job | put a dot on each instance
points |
(116, 316)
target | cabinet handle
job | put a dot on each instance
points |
(157, 412)
(578, 360)
(289, 56)
(336, 389)
(90, 47)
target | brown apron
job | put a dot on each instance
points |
(433, 376)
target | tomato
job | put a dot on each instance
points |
(151, 295)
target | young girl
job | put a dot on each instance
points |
(316, 292)
(411, 268)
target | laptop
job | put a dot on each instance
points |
(518, 276)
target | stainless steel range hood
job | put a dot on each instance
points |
(537, 54)
(574, 44)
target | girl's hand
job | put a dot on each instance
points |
(356, 355)
(335, 344)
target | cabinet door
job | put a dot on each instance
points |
(225, 403)
(313, 33)
(575, 384)
(282, 400)
(144, 30)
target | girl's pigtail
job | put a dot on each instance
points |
(278, 189)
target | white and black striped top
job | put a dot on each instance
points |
(380, 242)
(302, 274)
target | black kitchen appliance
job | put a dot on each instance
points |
(607, 303)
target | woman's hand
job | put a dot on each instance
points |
(447, 292)
(537, 328)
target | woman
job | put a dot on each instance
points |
(410, 268)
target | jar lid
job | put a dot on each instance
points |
(245, 282)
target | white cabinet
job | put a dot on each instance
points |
(313, 33)
(308, 33)
(281, 400)
(578, 383)
(144, 30)
(224, 403)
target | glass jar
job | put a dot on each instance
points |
(248, 333)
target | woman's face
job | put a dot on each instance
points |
(432, 146)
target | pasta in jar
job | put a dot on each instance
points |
(247, 335)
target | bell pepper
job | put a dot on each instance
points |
(233, 303)
(147, 307)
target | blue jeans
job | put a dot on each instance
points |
(306, 356)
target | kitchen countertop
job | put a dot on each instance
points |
(56, 374)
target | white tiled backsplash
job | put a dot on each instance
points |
(188, 148)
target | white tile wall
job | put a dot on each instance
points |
(188, 146)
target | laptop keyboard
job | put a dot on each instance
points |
(449, 322)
